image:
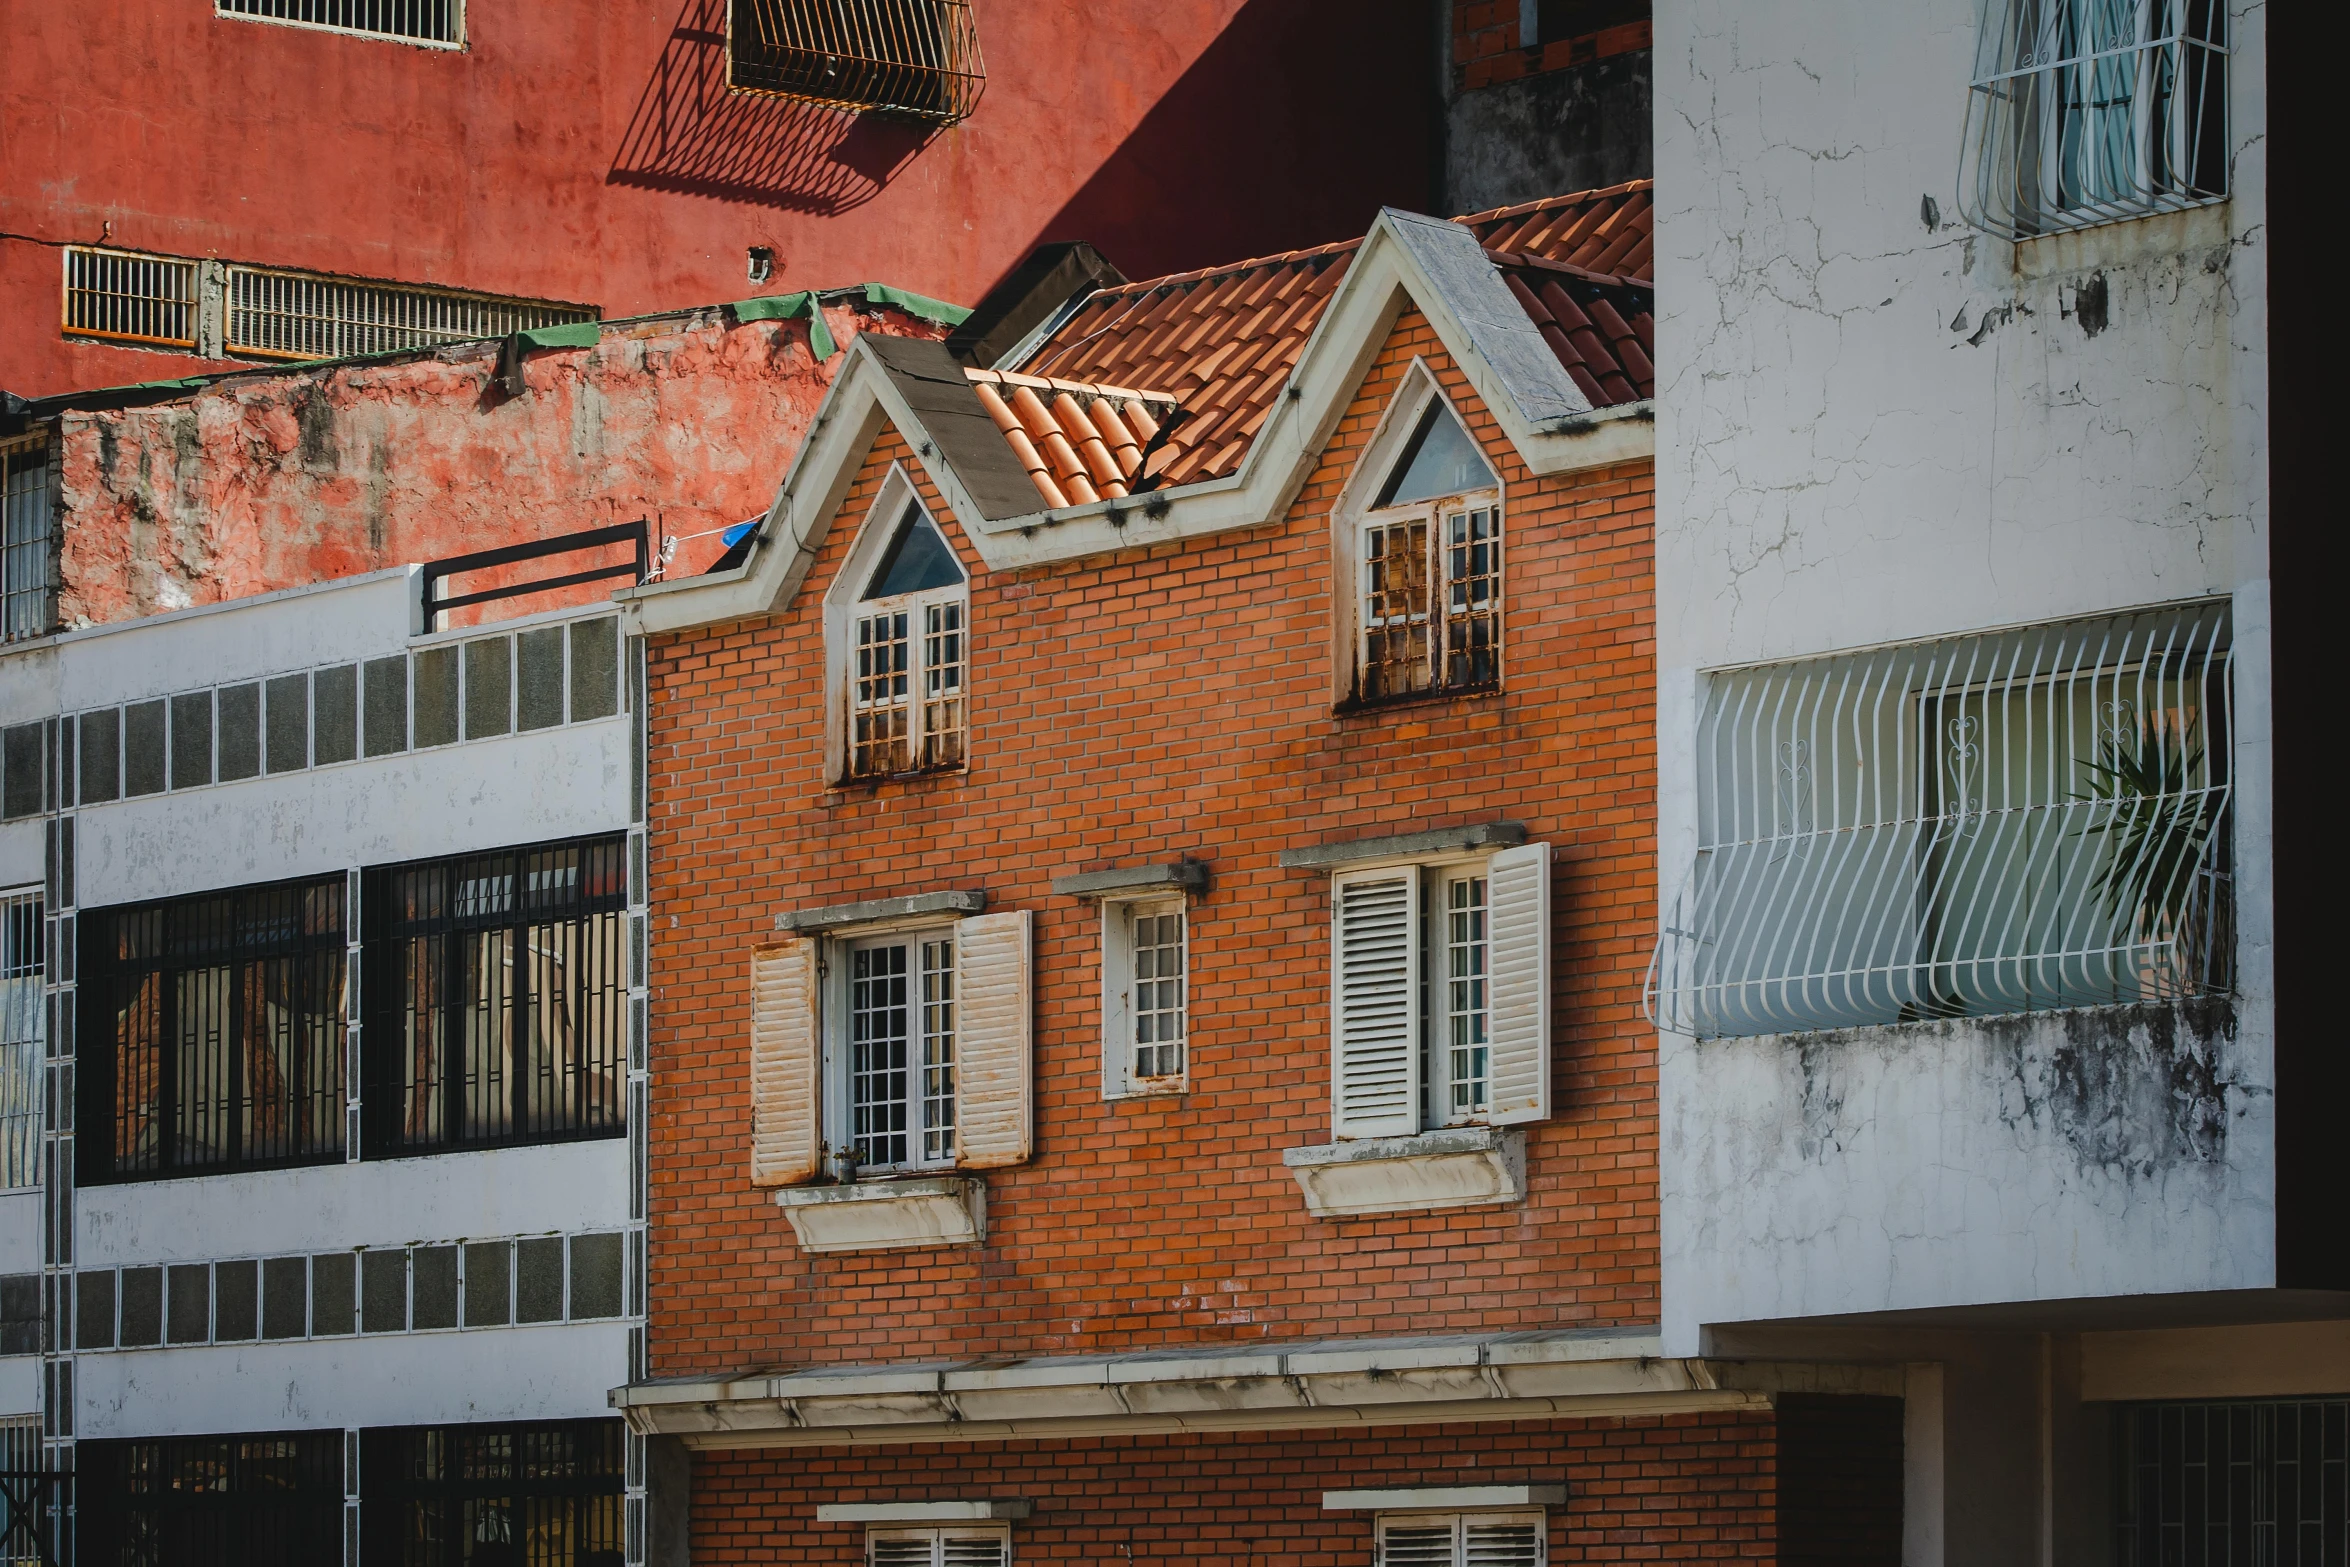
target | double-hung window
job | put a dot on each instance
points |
(1428, 559)
(1461, 1540)
(907, 656)
(1440, 993)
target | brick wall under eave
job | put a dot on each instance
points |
(294, 476)
(1684, 1488)
(1130, 708)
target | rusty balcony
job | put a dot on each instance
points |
(915, 58)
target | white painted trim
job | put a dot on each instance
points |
(916, 1215)
(1002, 1510)
(1458, 1167)
(1439, 1498)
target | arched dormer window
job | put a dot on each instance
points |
(1425, 552)
(901, 610)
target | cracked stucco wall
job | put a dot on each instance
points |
(1875, 424)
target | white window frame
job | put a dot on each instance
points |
(923, 1152)
(1461, 1523)
(846, 609)
(1356, 514)
(939, 1540)
(1122, 1075)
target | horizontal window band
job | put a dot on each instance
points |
(1359, 851)
(1186, 873)
(1449, 1498)
(922, 1512)
(874, 911)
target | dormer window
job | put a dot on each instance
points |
(1428, 564)
(902, 609)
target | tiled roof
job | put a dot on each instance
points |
(1079, 440)
(1220, 342)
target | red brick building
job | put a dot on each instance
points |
(1153, 852)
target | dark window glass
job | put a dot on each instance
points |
(383, 1301)
(20, 1314)
(489, 687)
(433, 1278)
(538, 1280)
(387, 705)
(918, 560)
(21, 756)
(212, 1033)
(595, 1276)
(191, 740)
(236, 1301)
(93, 1315)
(191, 1303)
(240, 732)
(101, 755)
(335, 693)
(595, 669)
(497, 987)
(142, 1307)
(436, 698)
(489, 1284)
(2218, 1484)
(289, 724)
(285, 1297)
(539, 690)
(333, 1293)
(432, 1497)
(229, 1501)
(1440, 459)
(142, 749)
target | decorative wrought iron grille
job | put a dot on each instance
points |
(126, 297)
(2089, 111)
(918, 58)
(225, 1501)
(34, 1499)
(213, 1033)
(23, 1038)
(2252, 1484)
(28, 540)
(497, 992)
(303, 315)
(460, 1496)
(416, 21)
(1986, 825)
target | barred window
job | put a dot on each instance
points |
(918, 58)
(2089, 111)
(468, 1496)
(908, 651)
(2218, 1484)
(901, 1048)
(497, 990)
(23, 1038)
(213, 1033)
(1429, 551)
(124, 296)
(412, 21)
(28, 539)
(214, 1501)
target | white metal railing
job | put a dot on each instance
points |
(2090, 111)
(1984, 825)
(23, 1036)
(415, 21)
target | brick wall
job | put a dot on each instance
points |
(1131, 708)
(1685, 1488)
(1486, 48)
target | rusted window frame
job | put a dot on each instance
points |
(938, 724)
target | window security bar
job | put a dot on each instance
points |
(126, 297)
(2230, 1484)
(637, 533)
(304, 315)
(2091, 111)
(1981, 826)
(28, 539)
(414, 21)
(23, 1039)
(918, 58)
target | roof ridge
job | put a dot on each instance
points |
(1226, 269)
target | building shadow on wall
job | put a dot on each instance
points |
(692, 137)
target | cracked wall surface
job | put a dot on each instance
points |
(284, 478)
(1876, 424)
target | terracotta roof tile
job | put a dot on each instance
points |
(1079, 440)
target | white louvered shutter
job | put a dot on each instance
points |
(1502, 1542)
(1517, 993)
(1418, 1542)
(993, 1026)
(908, 1548)
(975, 1550)
(1375, 1003)
(785, 1138)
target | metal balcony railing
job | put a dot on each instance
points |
(1987, 825)
(918, 58)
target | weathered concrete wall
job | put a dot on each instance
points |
(1877, 425)
(1581, 128)
(286, 477)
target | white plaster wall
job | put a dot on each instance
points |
(20, 1385)
(376, 1202)
(22, 846)
(1872, 429)
(20, 1230)
(554, 1372)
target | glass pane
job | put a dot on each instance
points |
(1440, 459)
(918, 560)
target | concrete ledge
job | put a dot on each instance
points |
(1189, 874)
(921, 1512)
(1410, 845)
(834, 915)
(1450, 1498)
(1461, 1167)
(912, 1215)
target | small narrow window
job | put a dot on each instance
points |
(1430, 562)
(908, 651)
(1145, 996)
(28, 540)
(1466, 1019)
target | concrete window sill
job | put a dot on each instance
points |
(910, 1215)
(1459, 1167)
